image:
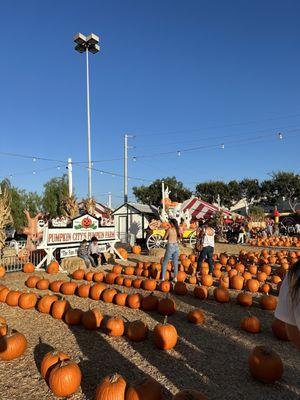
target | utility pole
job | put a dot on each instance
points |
(70, 176)
(163, 196)
(109, 200)
(125, 168)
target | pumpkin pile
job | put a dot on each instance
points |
(276, 241)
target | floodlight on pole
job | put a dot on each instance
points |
(86, 44)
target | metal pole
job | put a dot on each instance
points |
(109, 200)
(70, 176)
(88, 125)
(163, 195)
(125, 168)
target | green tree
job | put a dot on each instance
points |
(55, 191)
(152, 194)
(209, 191)
(250, 191)
(282, 186)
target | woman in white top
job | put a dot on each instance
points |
(208, 244)
(95, 252)
(288, 307)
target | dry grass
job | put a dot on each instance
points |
(211, 358)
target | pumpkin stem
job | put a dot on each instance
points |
(165, 320)
(114, 378)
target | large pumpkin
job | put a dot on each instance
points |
(180, 288)
(12, 345)
(53, 267)
(221, 295)
(73, 316)
(268, 302)
(150, 303)
(78, 274)
(134, 300)
(49, 360)
(96, 290)
(265, 365)
(120, 299)
(27, 300)
(196, 317)
(45, 303)
(111, 388)
(165, 336)
(12, 298)
(201, 292)
(32, 281)
(65, 378)
(244, 299)
(59, 308)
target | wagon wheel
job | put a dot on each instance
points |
(155, 241)
(193, 239)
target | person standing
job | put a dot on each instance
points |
(95, 252)
(83, 252)
(288, 307)
(172, 235)
(208, 243)
(241, 237)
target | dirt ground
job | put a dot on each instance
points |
(211, 358)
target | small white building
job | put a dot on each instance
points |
(131, 220)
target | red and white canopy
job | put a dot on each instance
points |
(201, 209)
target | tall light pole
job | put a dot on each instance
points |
(86, 44)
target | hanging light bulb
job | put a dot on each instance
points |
(34, 172)
(280, 135)
(58, 167)
(134, 158)
(34, 159)
(178, 153)
(10, 176)
(101, 172)
(222, 146)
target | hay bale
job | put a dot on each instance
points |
(70, 264)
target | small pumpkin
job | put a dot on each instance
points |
(127, 282)
(78, 274)
(32, 281)
(3, 294)
(27, 300)
(84, 290)
(166, 306)
(65, 378)
(265, 364)
(134, 300)
(137, 331)
(252, 285)
(237, 282)
(180, 288)
(196, 317)
(207, 280)
(148, 389)
(55, 286)
(120, 299)
(12, 298)
(28, 268)
(53, 267)
(110, 278)
(201, 292)
(73, 316)
(98, 276)
(111, 388)
(92, 319)
(136, 249)
(89, 276)
(117, 269)
(45, 303)
(96, 290)
(165, 286)
(165, 336)
(221, 295)
(137, 283)
(43, 284)
(150, 303)
(244, 299)
(268, 302)
(250, 324)
(115, 326)
(149, 284)
(2, 271)
(108, 295)
(68, 288)
(59, 308)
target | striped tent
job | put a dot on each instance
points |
(200, 209)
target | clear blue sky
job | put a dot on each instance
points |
(177, 74)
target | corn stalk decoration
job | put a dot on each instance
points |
(5, 214)
(70, 207)
(89, 206)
